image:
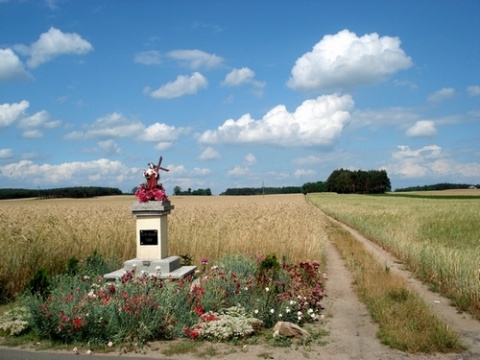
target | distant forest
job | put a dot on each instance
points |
(340, 181)
(67, 192)
(440, 186)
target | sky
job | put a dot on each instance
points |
(235, 93)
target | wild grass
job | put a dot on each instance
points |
(437, 239)
(405, 321)
(45, 234)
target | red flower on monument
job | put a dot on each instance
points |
(152, 190)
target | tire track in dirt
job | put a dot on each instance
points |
(464, 324)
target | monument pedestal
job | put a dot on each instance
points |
(152, 245)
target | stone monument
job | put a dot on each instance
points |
(151, 212)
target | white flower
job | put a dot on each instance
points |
(272, 311)
(292, 302)
(299, 313)
(267, 289)
(256, 311)
(110, 344)
(89, 352)
(310, 311)
(280, 315)
(287, 310)
(246, 288)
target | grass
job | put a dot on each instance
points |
(405, 321)
(436, 238)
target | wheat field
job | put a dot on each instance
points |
(438, 239)
(47, 233)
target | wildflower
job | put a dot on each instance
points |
(246, 288)
(280, 315)
(204, 261)
(89, 352)
(75, 350)
(110, 344)
(267, 289)
(256, 311)
(272, 311)
(287, 310)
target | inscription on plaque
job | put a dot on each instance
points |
(148, 237)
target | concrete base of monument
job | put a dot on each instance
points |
(169, 267)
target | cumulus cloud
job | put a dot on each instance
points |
(238, 77)
(209, 154)
(10, 66)
(473, 90)
(250, 159)
(430, 161)
(238, 171)
(160, 132)
(32, 124)
(316, 122)
(109, 147)
(422, 128)
(54, 43)
(151, 57)
(111, 172)
(196, 59)
(200, 171)
(304, 172)
(114, 125)
(183, 85)
(345, 60)
(440, 95)
(11, 112)
(5, 153)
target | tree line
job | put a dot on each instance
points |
(344, 181)
(439, 186)
(66, 192)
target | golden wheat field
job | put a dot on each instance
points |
(47, 233)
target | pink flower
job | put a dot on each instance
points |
(204, 261)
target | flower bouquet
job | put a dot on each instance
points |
(145, 194)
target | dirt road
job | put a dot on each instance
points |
(352, 333)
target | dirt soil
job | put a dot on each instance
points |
(351, 332)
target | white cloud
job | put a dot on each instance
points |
(10, 66)
(32, 134)
(316, 122)
(11, 112)
(345, 60)
(200, 171)
(196, 59)
(151, 57)
(54, 43)
(110, 172)
(109, 146)
(422, 128)
(304, 172)
(473, 90)
(164, 145)
(238, 171)
(5, 153)
(238, 77)
(160, 132)
(442, 94)
(32, 123)
(310, 159)
(430, 161)
(209, 154)
(250, 159)
(114, 125)
(183, 85)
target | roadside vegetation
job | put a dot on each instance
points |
(436, 238)
(404, 319)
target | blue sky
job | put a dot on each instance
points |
(238, 93)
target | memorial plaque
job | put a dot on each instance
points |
(148, 237)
